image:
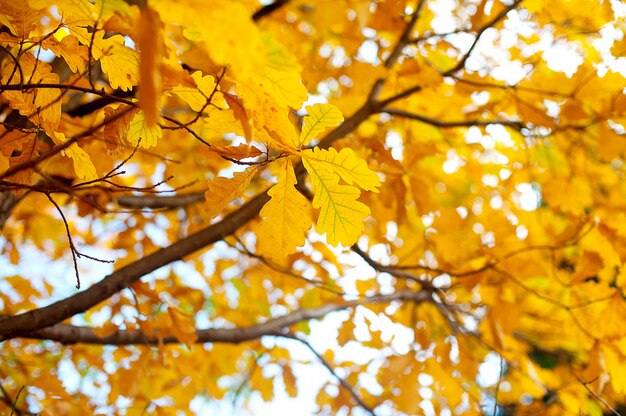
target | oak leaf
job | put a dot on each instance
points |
(222, 190)
(286, 217)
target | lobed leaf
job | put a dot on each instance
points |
(346, 164)
(224, 190)
(320, 117)
(341, 215)
(286, 217)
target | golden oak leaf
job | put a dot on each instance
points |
(19, 17)
(197, 98)
(106, 329)
(611, 144)
(116, 127)
(281, 76)
(341, 215)
(346, 164)
(69, 49)
(265, 386)
(242, 151)
(107, 8)
(150, 43)
(42, 105)
(224, 190)
(139, 133)
(615, 366)
(346, 332)
(320, 117)
(83, 166)
(569, 194)
(286, 217)
(119, 62)
(229, 22)
(73, 11)
(220, 122)
(240, 113)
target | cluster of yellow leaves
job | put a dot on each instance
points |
(287, 215)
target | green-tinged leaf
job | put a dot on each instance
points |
(281, 76)
(346, 164)
(320, 117)
(138, 129)
(341, 215)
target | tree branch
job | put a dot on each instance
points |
(268, 9)
(12, 326)
(159, 201)
(482, 30)
(357, 398)
(450, 124)
(71, 334)
(397, 50)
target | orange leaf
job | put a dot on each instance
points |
(239, 110)
(243, 151)
(150, 44)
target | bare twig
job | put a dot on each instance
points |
(597, 396)
(461, 64)
(342, 381)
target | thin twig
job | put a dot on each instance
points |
(349, 388)
(482, 30)
(597, 396)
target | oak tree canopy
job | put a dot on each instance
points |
(201, 200)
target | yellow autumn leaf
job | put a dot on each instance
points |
(119, 62)
(320, 117)
(196, 97)
(341, 215)
(67, 47)
(83, 166)
(18, 17)
(346, 164)
(224, 190)
(286, 216)
(183, 325)
(281, 76)
(227, 21)
(139, 130)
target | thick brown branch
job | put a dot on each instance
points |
(36, 319)
(159, 201)
(70, 334)
(268, 9)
